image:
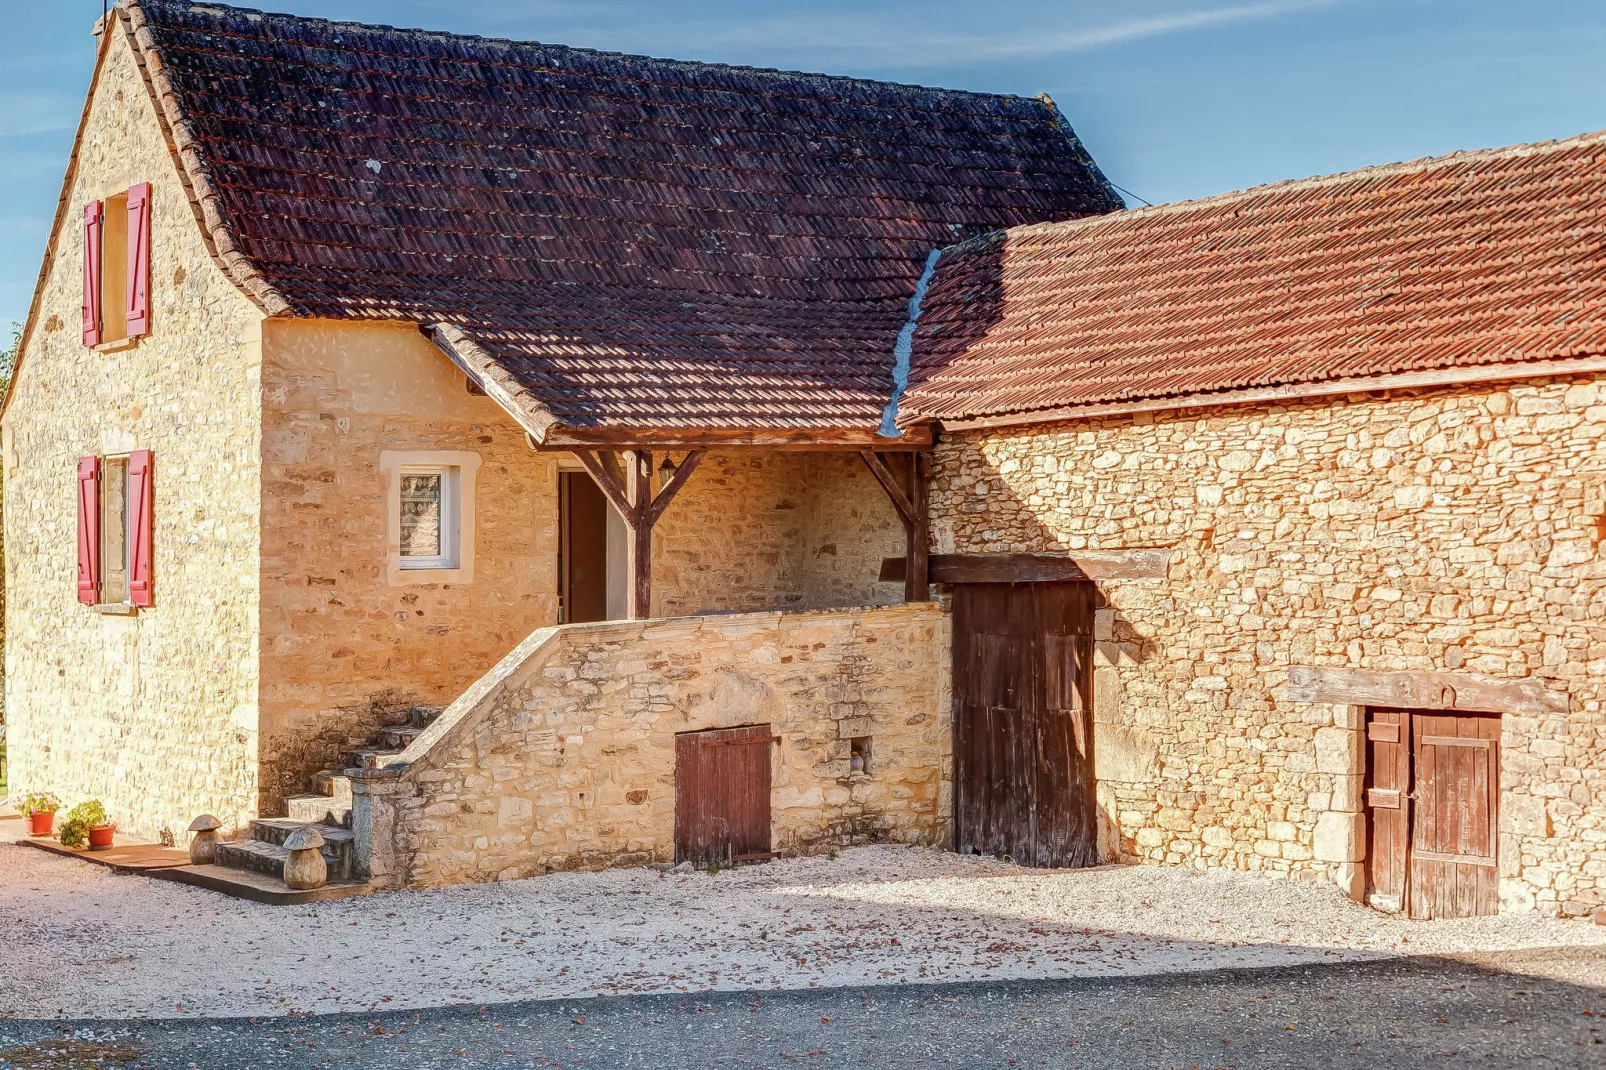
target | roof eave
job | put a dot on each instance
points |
(1438, 377)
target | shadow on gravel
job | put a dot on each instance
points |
(1506, 1010)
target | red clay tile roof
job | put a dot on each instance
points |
(636, 242)
(1468, 260)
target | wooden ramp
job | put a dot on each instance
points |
(120, 857)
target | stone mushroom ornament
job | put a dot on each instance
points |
(203, 848)
(305, 868)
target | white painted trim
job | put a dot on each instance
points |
(466, 465)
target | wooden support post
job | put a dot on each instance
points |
(634, 499)
(638, 570)
(916, 587)
(906, 486)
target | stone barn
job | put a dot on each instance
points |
(507, 458)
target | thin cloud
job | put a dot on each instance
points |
(1138, 29)
(36, 112)
(861, 38)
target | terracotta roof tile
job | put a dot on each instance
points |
(1466, 260)
(638, 242)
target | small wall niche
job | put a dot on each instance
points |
(860, 762)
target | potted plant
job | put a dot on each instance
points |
(87, 822)
(41, 807)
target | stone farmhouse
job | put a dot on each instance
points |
(502, 458)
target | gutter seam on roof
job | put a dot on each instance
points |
(903, 350)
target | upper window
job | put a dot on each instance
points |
(117, 267)
(429, 517)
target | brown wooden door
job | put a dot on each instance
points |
(1023, 770)
(722, 796)
(583, 569)
(1432, 801)
(1454, 815)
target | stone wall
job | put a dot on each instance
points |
(1456, 530)
(757, 530)
(563, 757)
(154, 713)
(343, 647)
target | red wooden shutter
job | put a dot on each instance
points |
(89, 530)
(139, 527)
(139, 260)
(92, 230)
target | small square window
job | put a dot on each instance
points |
(429, 517)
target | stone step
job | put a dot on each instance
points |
(264, 852)
(322, 809)
(335, 784)
(421, 716)
(268, 859)
(399, 735)
(257, 887)
(372, 757)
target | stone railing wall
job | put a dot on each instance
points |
(563, 756)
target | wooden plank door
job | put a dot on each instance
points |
(722, 796)
(1388, 807)
(1023, 784)
(1454, 815)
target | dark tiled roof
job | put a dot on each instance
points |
(637, 242)
(1468, 260)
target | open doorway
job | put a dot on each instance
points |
(591, 553)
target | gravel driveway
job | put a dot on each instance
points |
(80, 942)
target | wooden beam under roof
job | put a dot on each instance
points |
(917, 438)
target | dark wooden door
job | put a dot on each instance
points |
(1432, 806)
(1388, 807)
(583, 571)
(722, 796)
(1454, 815)
(1023, 760)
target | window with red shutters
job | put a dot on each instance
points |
(139, 527)
(89, 530)
(92, 242)
(139, 260)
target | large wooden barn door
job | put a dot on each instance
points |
(722, 796)
(1432, 797)
(1023, 760)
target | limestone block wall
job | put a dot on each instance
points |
(563, 756)
(1455, 530)
(756, 530)
(344, 648)
(154, 714)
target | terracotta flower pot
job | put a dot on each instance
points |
(100, 837)
(41, 822)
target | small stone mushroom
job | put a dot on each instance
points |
(305, 868)
(203, 848)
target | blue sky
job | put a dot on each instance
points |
(1175, 98)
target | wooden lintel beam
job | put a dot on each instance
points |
(667, 492)
(1473, 692)
(568, 438)
(891, 484)
(1142, 563)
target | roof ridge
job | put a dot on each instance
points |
(207, 7)
(1403, 167)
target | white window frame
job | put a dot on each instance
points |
(459, 471)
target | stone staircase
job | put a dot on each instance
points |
(253, 866)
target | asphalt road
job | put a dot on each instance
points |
(1397, 1014)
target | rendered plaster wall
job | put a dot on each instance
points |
(343, 647)
(1457, 530)
(568, 760)
(154, 714)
